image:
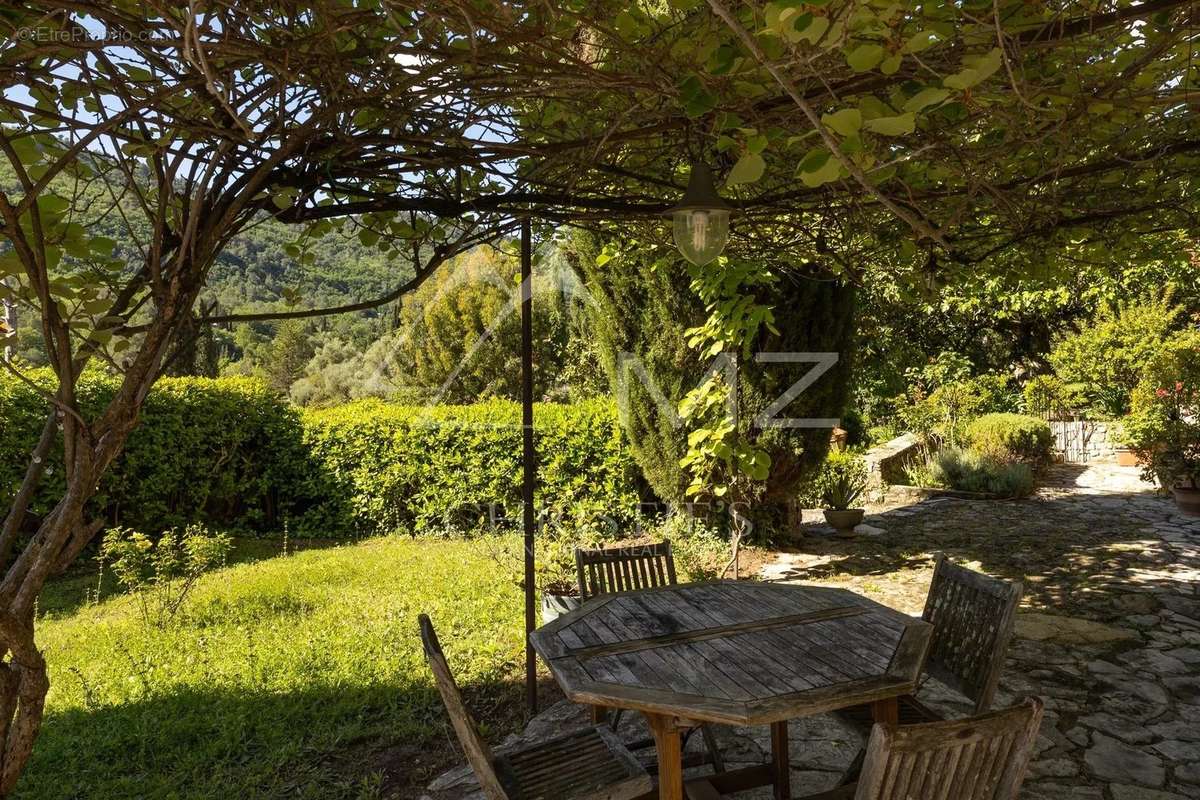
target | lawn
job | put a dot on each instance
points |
(296, 676)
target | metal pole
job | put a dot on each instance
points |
(528, 457)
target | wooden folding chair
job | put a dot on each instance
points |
(972, 616)
(979, 758)
(587, 764)
(624, 569)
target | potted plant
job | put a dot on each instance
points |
(1164, 423)
(1126, 453)
(556, 580)
(840, 494)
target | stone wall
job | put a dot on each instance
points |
(886, 463)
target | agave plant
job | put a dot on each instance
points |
(843, 491)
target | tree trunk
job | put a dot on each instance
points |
(23, 687)
(10, 320)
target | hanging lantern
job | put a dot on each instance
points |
(701, 219)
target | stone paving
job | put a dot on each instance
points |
(1108, 636)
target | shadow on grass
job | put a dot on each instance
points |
(385, 741)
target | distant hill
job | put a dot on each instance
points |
(252, 272)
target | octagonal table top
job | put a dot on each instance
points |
(735, 652)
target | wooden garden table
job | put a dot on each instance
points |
(733, 652)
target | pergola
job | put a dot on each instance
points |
(936, 139)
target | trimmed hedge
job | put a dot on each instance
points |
(229, 453)
(1011, 438)
(225, 452)
(386, 467)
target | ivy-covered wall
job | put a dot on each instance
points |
(229, 453)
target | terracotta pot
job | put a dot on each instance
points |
(1127, 458)
(844, 520)
(1188, 500)
(555, 605)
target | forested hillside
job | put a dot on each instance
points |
(253, 273)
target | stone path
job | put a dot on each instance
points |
(1109, 633)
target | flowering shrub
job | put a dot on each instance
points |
(1164, 426)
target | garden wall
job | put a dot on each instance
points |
(231, 454)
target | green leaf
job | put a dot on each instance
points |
(922, 40)
(892, 126)
(748, 169)
(891, 64)
(847, 122)
(813, 31)
(929, 96)
(865, 57)
(819, 167)
(977, 70)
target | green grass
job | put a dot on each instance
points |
(296, 677)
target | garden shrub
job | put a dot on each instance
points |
(1163, 426)
(974, 472)
(1106, 357)
(1050, 396)
(1011, 438)
(944, 413)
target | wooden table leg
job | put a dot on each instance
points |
(781, 761)
(886, 710)
(599, 715)
(668, 740)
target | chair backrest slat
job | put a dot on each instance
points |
(972, 615)
(623, 569)
(479, 755)
(979, 758)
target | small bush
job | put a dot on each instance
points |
(1164, 423)
(161, 572)
(943, 414)
(974, 472)
(1011, 438)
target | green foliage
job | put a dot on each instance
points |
(277, 677)
(699, 549)
(973, 472)
(230, 453)
(843, 491)
(387, 467)
(1106, 357)
(290, 351)
(644, 305)
(161, 572)
(1164, 423)
(1050, 396)
(723, 459)
(224, 452)
(1011, 438)
(840, 466)
(944, 413)
(640, 307)
(460, 332)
